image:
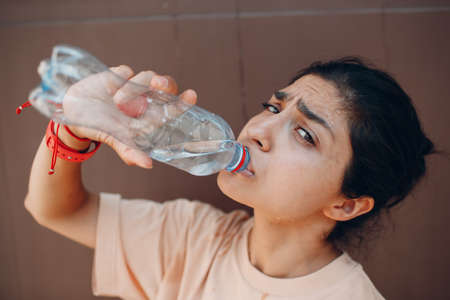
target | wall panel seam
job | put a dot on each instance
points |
(233, 15)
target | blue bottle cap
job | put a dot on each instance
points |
(240, 160)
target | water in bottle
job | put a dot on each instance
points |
(198, 142)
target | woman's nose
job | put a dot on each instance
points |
(260, 133)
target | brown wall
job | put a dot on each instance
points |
(234, 53)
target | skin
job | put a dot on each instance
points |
(295, 190)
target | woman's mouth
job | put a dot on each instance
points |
(246, 173)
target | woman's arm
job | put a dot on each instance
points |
(60, 201)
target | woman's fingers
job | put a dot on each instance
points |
(135, 86)
(114, 83)
(101, 87)
(130, 98)
(165, 83)
(133, 157)
(130, 156)
(189, 96)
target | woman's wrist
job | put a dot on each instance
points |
(71, 141)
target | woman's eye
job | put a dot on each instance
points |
(270, 107)
(306, 136)
(302, 132)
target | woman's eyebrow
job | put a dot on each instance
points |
(280, 95)
(304, 109)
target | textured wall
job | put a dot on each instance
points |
(234, 53)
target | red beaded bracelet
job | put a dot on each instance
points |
(63, 151)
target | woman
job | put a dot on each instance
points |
(329, 152)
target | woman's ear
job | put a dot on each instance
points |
(347, 209)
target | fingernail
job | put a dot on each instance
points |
(161, 81)
(146, 165)
(191, 93)
(122, 70)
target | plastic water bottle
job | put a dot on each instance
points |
(77, 89)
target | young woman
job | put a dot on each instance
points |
(331, 150)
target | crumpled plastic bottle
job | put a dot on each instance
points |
(78, 89)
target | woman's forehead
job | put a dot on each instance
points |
(312, 87)
(320, 95)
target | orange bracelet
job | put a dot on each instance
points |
(63, 151)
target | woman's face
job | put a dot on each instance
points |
(298, 162)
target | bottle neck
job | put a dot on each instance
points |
(241, 159)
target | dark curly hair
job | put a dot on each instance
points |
(388, 143)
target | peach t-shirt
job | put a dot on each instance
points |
(185, 250)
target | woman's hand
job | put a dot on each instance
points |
(108, 87)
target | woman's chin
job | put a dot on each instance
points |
(230, 187)
(223, 182)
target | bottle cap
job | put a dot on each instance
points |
(240, 159)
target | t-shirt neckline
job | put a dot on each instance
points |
(310, 284)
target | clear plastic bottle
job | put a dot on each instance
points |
(77, 89)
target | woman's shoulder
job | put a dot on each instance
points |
(358, 284)
(195, 214)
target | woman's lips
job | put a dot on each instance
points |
(247, 173)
